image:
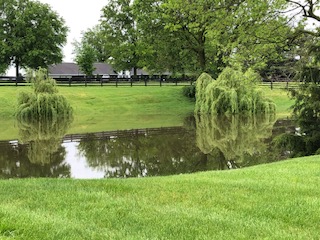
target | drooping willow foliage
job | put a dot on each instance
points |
(233, 92)
(44, 102)
(234, 135)
(43, 116)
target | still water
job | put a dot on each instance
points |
(202, 143)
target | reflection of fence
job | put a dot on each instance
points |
(123, 133)
(116, 134)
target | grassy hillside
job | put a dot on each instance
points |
(274, 201)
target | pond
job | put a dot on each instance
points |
(202, 143)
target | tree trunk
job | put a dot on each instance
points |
(202, 60)
(17, 71)
(135, 71)
(17, 68)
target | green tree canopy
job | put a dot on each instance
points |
(118, 25)
(200, 36)
(207, 36)
(85, 57)
(32, 34)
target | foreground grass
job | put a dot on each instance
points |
(274, 201)
(111, 108)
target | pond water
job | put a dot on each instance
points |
(203, 143)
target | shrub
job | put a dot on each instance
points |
(189, 91)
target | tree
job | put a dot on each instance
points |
(207, 36)
(32, 34)
(233, 92)
(200, 36)
(118, 25)
(98, 41)
(85, 57)
(307, 9)
(45, 103)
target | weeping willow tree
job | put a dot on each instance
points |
(233, 92)
(43, 117)
(234, 135)
(44, 102)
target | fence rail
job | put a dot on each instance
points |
(138, 81)
(112, 81)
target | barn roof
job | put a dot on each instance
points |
(73, 69)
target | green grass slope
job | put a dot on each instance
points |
(274, 201)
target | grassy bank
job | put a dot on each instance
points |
(110, 108)
(274, 201)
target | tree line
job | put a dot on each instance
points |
(273, 37)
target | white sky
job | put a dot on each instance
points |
(78, 16)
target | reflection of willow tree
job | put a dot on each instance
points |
(234, 136)
(148, 154)
(14, 163)
(44, 138)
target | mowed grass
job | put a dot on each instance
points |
(112, 108)
(274, 201)
(282, 100)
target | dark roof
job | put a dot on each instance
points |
(64, 69)
(139, 72)
(73, 69)
(103, 68)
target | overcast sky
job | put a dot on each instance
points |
(79, 16)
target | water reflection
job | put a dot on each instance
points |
(44, 138)
(204, 143)
(39, 152)
(148, 152)
(233, 138)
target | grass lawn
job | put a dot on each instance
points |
(274, 201)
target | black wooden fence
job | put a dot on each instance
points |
(106, 81)
(142, 80)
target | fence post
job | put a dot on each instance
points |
(160, 82)
(116, 81)
(131, 80)
(145, 82)
(271, 84)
